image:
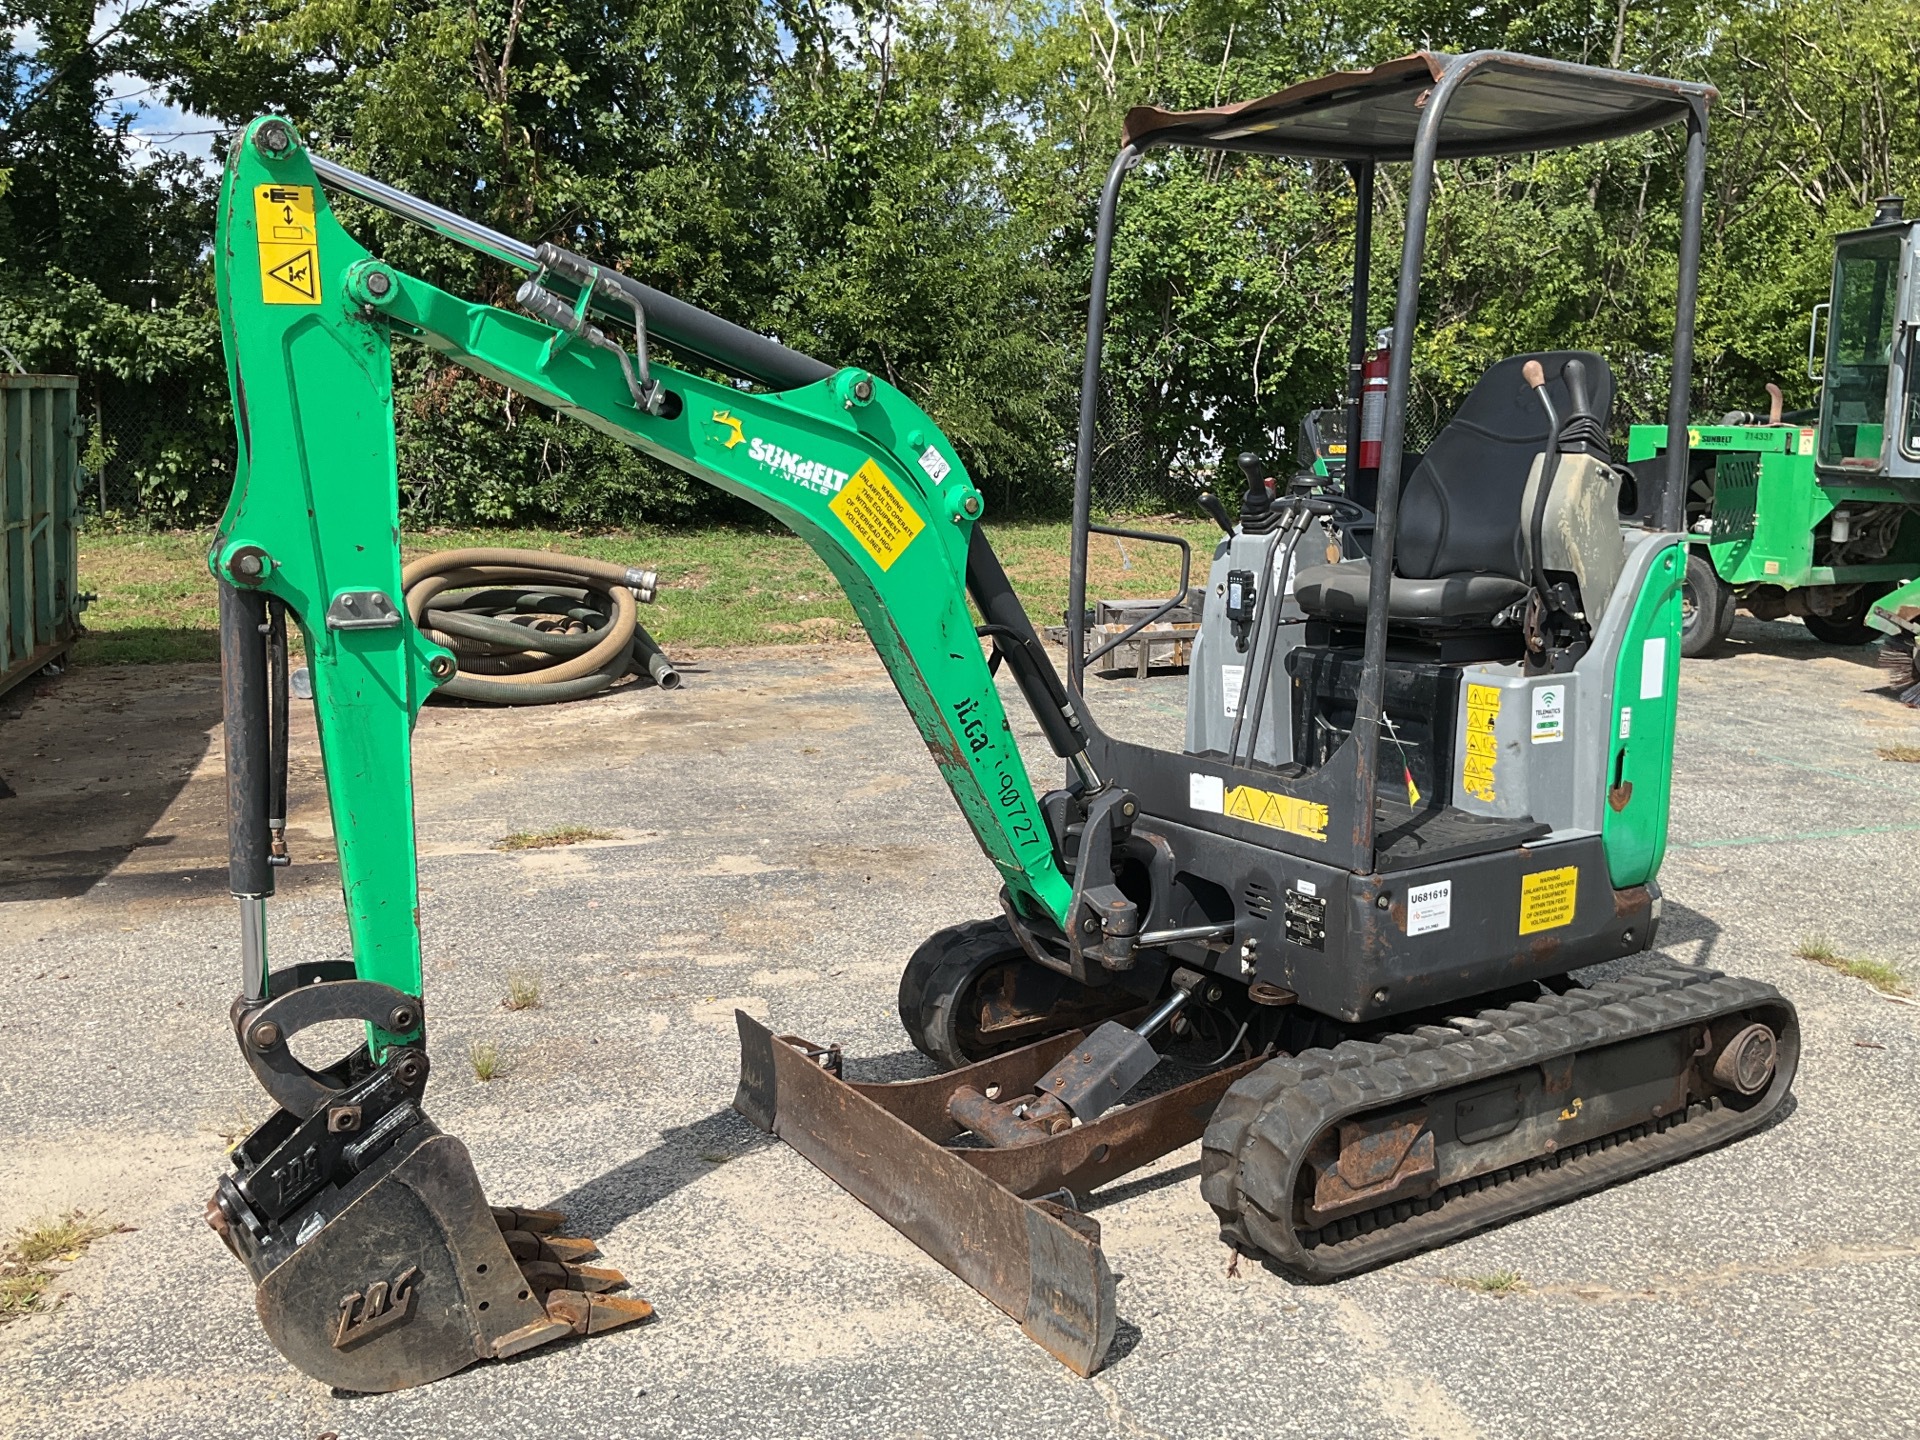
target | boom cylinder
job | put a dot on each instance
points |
(243, 674)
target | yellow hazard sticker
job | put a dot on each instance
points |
(1483, 742)
(289, 244)
(877, 514)
(1547, 899)
(1304, 818)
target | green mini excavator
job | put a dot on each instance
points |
(1421, 786)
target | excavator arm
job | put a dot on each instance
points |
(378, 1261)
(847, 462)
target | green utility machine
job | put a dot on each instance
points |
(1817, 513)
(1336, 936)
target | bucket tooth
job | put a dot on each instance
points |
(529, 1337)
(549, 1275)
(596, 1314)
(564, 1249)
(539, 1222)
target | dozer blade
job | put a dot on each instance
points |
(979, 1212)
(383, 1267)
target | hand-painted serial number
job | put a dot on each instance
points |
(1016, 813)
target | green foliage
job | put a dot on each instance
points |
(912, 188)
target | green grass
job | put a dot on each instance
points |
(719, 585)
(523, 991)
(485, 1058)
(1498, 1283)
(548, 839)
(1888, 979)
(24, 1260)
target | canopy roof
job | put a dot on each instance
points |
(1505, 103)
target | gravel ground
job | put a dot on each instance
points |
(781, 843)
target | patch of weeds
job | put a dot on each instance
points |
(523, 991)
(1885, 978)
(487, 1062)
(1498, 1283)
(547, 839)
(22, 1291)
(1908, 753)
(24, 1260)
(715, 1157)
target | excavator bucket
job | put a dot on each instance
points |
(1002, 1219)
(378, 1261)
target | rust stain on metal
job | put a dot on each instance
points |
(1556, 1076)
(1367, 1161)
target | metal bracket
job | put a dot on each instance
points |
(362, 610)
(571, 322)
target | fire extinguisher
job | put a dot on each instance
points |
(1373, 402)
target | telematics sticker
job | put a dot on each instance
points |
(289, 244)
(1429, 907)
(877, 514)
(1549, 714)
(1547, 899)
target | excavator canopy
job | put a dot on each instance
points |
(1506, 103)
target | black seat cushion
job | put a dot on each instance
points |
(1458, 558)
(1460, 508)
(1339, 592)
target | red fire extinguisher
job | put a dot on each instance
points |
(1373, 402)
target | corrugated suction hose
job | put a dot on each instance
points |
(530, 627)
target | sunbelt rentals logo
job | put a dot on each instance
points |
(815, 475)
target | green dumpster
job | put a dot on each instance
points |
(39, 500)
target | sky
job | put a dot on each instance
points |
(157, 127)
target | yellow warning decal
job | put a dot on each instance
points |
(289, 244)
(877, 514)
(1483, 743)
(1546, 899)
(1304, 818)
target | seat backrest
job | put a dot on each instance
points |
(1461, 508)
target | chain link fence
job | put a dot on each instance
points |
(1137, 471)
(161, 450)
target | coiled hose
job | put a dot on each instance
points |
(530, 627)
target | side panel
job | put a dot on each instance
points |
(1645, 697)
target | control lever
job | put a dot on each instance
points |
(1211, 507)
(1257, 515)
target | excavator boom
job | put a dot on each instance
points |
(311, 536)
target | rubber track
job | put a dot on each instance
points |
(1260, 1134)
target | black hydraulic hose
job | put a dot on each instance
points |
(529, 627)
(277, 689)
(243, 676)
(1033, 671)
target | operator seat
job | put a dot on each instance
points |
(1460, 558)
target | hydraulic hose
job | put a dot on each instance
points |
(530, 627)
